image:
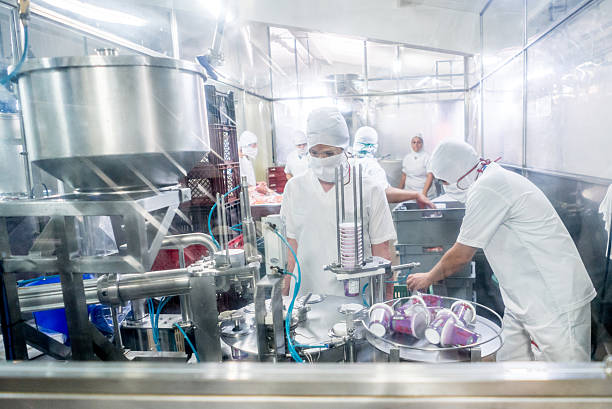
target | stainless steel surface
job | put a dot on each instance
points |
(145, 215)
(120, 288)
(182, 241)
(111, 122)
(273, 349)
(12, 170)
(259, 386)
(49, 296)
(314, 330)
(204, 308)
(248, 225)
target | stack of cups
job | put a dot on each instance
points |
(349, 240)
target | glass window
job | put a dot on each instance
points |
(503, 32)
(503, 114)
(569, 93)
(398, 118)
(142, 22)
(542, 13)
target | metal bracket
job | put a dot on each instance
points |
(273, 283)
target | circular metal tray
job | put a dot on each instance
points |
(413, 349)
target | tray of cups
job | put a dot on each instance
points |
(425, 323)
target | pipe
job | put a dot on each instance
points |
(122, 288)
(182, 241)
(49, 296)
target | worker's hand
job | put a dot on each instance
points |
(424, 202)
(418, 281)
(262, 188)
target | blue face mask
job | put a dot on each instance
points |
(365, 150)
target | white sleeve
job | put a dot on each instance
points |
(404, 165)
(286, 212)
(485, 211)
(378, 175)
(381, 227)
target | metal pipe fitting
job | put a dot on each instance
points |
(119, 289)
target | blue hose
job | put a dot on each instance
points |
(161, 305)
(152, 318)
(26, 42)
(296, 357)
(21, 283)
(188, 341)
(212, 209)
(363, 294)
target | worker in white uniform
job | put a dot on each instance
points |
(544, 284)
(309, 206)
(415, 172)
(248, 153)
(297, 161)
(365, 147)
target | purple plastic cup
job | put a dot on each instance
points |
(457, 334)
(432, 300)
(411, 321)
(380, 319)
(465, 311)
(440, 326)
(351, 288)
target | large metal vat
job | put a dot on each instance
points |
(114, 122)
(12, 165)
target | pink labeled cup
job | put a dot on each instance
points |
(444, 320)
(465, 311)
(380, 319)
(411, 321)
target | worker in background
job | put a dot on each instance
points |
(247, 153)
(415, 174)
(309, 206)
(297, 161)
(544, 284)
(364, 149)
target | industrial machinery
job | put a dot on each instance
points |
(123, 171)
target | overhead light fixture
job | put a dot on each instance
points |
(97, 13)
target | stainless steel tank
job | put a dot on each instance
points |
(12, 166)
(114, 122)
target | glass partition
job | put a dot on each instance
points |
(569, 94)
(503, 113)
(502, 26)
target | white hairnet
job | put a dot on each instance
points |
(366, 134)
(299, 137)
(247, 138)
(327, 126)
(452, 159)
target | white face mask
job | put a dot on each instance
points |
(250, 152)
(301, 151)
(325, 168)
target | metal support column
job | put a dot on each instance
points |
(204, 309)
(77, 317)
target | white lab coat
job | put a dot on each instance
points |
(296, 165)
(310, 218)
(415, 166)
(372, 169)
(541, 276)
(247, 169)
